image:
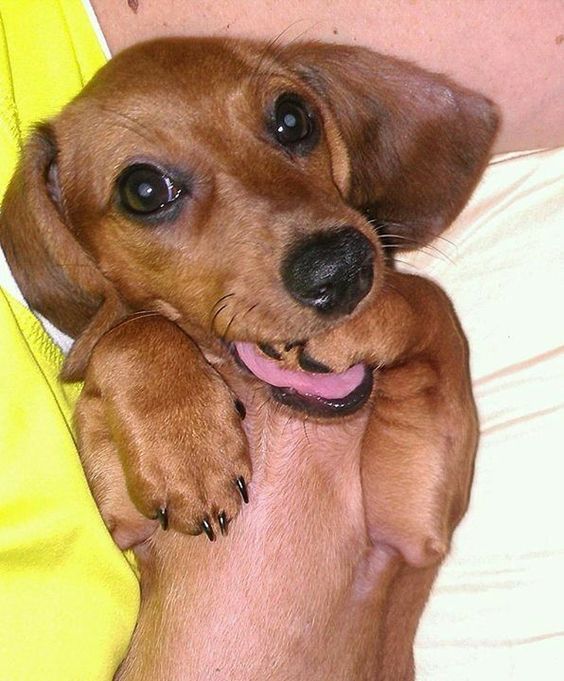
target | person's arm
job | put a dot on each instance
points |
(512, 51)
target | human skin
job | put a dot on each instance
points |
(512, 51)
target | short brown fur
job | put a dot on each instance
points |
(325, 573)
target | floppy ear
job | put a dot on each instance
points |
(417, 142)
(54, 273)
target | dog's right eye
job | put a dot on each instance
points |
(145, 189)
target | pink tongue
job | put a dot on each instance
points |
(328, 386)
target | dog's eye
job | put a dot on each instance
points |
(294, 123)
(145, 189)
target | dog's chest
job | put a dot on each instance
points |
(289, 568)
(303, 466)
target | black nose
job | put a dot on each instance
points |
(330, 271)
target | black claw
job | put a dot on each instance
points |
(240, 407)
(208, 529)
(242, 487)
(223, 521)
(162, 517)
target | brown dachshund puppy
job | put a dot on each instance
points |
(210, 219)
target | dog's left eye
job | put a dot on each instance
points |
(294, 123)
(145, 189)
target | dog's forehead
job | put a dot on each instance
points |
(187, 70)
(180, 88)
(172, 101)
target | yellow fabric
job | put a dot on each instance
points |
(68, 598)
(48, 51)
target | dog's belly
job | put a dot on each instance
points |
(289, 595)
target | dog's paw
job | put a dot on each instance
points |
(186, 461)
(173, 429)
(153, 406)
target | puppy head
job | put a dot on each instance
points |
(224, 183)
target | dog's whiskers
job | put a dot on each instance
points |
(428, 249)
(448, 241)
(425, 248)
(249, 310)
(226, 331)
(215, 315)
(139, 314)
(144, 313)
(407, 263)
(380, 226)
(259, 74)
(379, 366)
(220, 300)
(273, 49)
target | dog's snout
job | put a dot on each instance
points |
(330, 271)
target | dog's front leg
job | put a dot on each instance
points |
(155, 418)
(420, 442)
(419, 445)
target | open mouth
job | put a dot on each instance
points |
(319, 394)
